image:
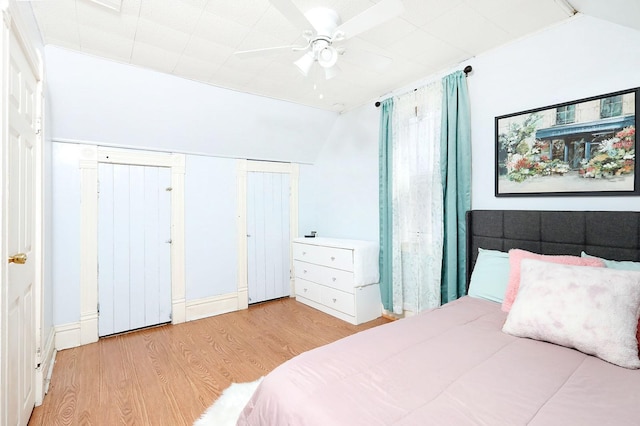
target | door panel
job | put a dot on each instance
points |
(268, 237)
(20, 216)
(134, 229)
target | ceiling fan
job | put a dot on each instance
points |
(324, 33)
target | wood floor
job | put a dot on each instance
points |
(169, 375)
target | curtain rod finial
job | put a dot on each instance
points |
(377, 104)
(468, 69)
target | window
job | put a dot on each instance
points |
(611, 107)
(566, 114)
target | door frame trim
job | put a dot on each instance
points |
(90, 157)
(244, 167)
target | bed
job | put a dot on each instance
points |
(456, 366)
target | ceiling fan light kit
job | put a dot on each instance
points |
(327, 56)
(304, 63)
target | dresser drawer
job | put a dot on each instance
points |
(338, 300)
(328, 256)
(336, 278)
(308, 290)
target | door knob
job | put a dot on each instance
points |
(20, 258)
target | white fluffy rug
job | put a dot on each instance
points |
(227, 408)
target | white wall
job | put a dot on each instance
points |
(211, 235)
(339, 193)
(65, 189)
(580, 58)
(98, 101)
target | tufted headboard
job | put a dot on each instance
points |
(612, 235)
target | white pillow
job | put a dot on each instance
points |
(594, 310)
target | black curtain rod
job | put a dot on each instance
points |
(466, 71)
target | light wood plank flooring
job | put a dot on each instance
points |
(169, 375)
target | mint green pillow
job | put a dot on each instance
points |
(490, 275)
(622, 265)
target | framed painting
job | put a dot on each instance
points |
(580, 148)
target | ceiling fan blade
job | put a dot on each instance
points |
(367, 59)
(292, 13)
(372, 17)
(268, 51)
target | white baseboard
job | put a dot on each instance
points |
(45, 369)
(68, 336)
(210, 306)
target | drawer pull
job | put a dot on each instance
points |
(333, 258)
(333, 279)
(305, 290)
(304, 252)
(304, 271)
(335, 300)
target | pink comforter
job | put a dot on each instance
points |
(449, 366)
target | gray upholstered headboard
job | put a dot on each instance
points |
(612, 235)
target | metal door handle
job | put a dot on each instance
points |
(20, 258)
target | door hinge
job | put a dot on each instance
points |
(98, 308)
(38, 126)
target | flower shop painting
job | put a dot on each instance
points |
(583, 147)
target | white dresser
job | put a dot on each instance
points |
(339, 277)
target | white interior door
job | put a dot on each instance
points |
(19, 318)
(134, 247)
(268, 239)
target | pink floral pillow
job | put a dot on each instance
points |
(515, 258)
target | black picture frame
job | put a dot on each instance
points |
(584, 147)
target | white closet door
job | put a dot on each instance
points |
(134, 247)
(268, 236)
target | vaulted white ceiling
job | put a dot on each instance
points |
(196, 39)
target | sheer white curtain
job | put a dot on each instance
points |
(417, 200)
